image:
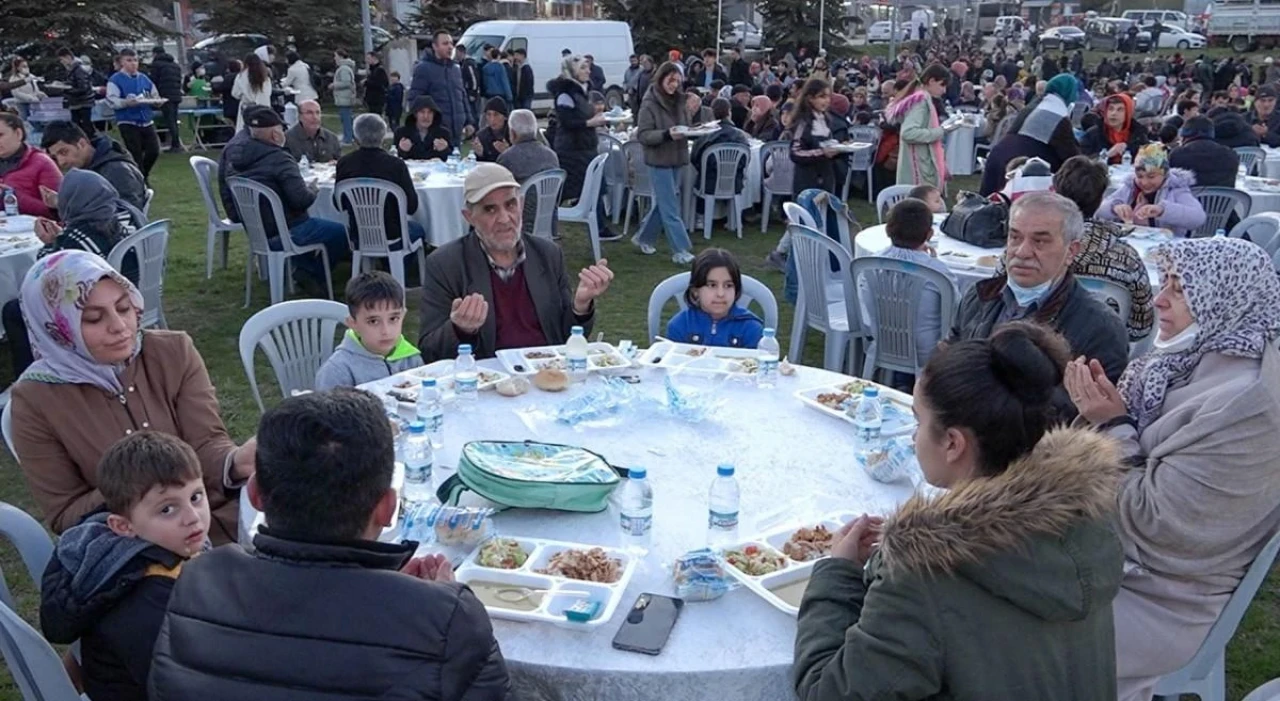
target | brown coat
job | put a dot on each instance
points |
(61, 431)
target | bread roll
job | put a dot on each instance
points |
(551, 380)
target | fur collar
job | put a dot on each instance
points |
(1071, 474)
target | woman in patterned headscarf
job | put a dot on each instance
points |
(1200, 417)
(97, 378)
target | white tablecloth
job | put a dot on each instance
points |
(439, 202)
(789, 458)
(1263, 201)
(958, 145)
(1271, 167)
(18, 248)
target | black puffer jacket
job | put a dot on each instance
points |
(575, 142)
(1215, 165)
(300, 621)
(81, 93)
(167, 77)
(271, 165)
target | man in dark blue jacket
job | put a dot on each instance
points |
(167, 77)
(438, 76)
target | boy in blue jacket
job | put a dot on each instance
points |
(713, 317)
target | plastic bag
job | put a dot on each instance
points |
(700, 576)
(596, 404)
(893, 463)
(432, 523)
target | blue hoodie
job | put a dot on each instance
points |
(740, 329)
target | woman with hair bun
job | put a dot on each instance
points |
(1000, 588)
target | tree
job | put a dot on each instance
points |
(657, 26)
(452, 16)
(81, 25)
(315, 28)
(790, 24)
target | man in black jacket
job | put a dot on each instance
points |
(521, 80)
(322, 609)
(376, 84)
(81, 96)
(1214, 165)
(1263, 117)
(370, 160)
(70, 148)
(167, 77)
(739, 69)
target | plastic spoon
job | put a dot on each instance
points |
(514, 595)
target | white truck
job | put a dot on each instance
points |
(1244, 25)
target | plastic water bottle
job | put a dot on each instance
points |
(867, 418)
(430, 411)
(767, 355)
(469, 163)
(418, 460)
(1126, 160)
(454, 159)
(1103, 156)
(304, 165)
(722, 517)
(465, 380)
(637, 509)
(575, 353)
(10, 202)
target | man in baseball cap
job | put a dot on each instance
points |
(1263, 115)
(496, 288)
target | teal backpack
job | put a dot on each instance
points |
(530, 475)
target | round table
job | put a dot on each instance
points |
(18, 249)
(793, 463)
(439, 201)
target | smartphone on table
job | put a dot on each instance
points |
(648, 624)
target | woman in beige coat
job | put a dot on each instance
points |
(1199, 416)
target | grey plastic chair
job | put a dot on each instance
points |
(6, 426)
(146, 204)
(836, 318)
(997, 134)
(730, 160)
(894, 295)
(769, 151)
(1218, 204)
(584, 212)
(297, 336)
(1206, 674)
(1267, 692)
(1262, 229)
(1114, 295)
(615, 172)
(366, 200)
(248, 197)
(674, 288)
(218, 226)
(639, 182)
(890, 196)
(36, 667)
(32, 542)
(541, 195)
(863, 162)
(150, 245)
(1252, 158)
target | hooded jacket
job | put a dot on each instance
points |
(575, 143)
(112, 162)
(271, 165)
(423, 147)
(442, 81)
(1231, 130)
(1213, 164)
(740, 329)
(110, 593)
(167, 77)
(998, 589)
(81, 95)
(352, 364)
(1182, 211)
(344, 83)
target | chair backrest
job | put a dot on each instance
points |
(365, 200)
(541, 194)
(798, 215)
(1218, 204)
(146, 203)
(890, 196)
(297, 336)
(615, 168)
(591, 184)
(730, 159)
(36, 667)
(895, 294)
(865, 159)
(32, 542)
(1262, 229)
(865, 134)
(6, 426)
(674, 287)
(248, 196)
(816, 255)
(638, 180)
(1115, 296)
(770, 151)
(206, 170)
(150, 245)
(1252, 158)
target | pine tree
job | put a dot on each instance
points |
(657, 26)
(790, 24)
(452, 16)
(79, 24)
(315, 28)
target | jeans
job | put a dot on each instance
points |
(143, 144)
(311, 231)
(344, 113)
(170, 113)
(665, 212)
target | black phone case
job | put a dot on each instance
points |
(648, 624)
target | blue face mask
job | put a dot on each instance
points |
(1025, 296)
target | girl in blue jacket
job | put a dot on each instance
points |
(713, 317)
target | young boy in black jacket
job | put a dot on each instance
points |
(109, 580)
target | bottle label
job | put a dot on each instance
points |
(868, 433)
(433, 421)
(416, 474)
(577, 364)
(769, 366)
(725, 521)
(466, 384)
(636, 525)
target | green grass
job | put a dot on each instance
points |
(210, 310)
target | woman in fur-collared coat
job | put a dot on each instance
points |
(1000, 588)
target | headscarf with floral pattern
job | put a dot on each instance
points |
(53, 298)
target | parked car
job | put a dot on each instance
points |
(1009, 27)
(1064, 38)
(745, 35)
(1146, 18)
(882, 32)
(1111, 33)
(1179, 38)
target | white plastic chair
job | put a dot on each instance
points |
(730, 160)
(6, 427)
(896, 291)
(146, 204)
(1206, 674)
(248, 198)
(798, 215)
(150, 245)
(1267, 692)
(366, 200)
(863, 161)
(674, 288)
(541, 195)
(32, 542)
(639, 182)
(206, 175)
(1115, 296)
(36, 667)
(1218, 204)
(584, 212)
(769, 152)
(836, 318)
(1252, 158)
(1263, 229)
(615, 172)
(890, 196)
(297, 336)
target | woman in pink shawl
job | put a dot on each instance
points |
(921, 160)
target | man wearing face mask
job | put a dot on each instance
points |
(1046, 231)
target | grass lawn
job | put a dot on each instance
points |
(210, 310)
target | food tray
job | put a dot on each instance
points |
(898, 420)
(700, 130)
(548, 608)
(1144, 232)
(784, 588)
(1261, 184)
(20, 224)
(959, 260)
(404, 386)
(849, 147)
(528, 361)
(692, 357)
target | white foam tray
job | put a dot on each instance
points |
(528, 361)
(673, 356)
(764, 585)
(853, 387)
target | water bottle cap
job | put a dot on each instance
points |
(871, 391)
(636, 473)
(429, 382)
(576, 330)
(464, 348)
(768, 332)
(725, 470)
(417, 427)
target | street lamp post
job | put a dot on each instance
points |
(719, 23)
(366, 23)
(822, 16)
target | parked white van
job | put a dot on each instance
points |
(609, 44)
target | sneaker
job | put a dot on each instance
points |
(776, 260)
(682, 258)
(646, 249)
(610, 235)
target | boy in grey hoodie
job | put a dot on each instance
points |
(374, 346)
